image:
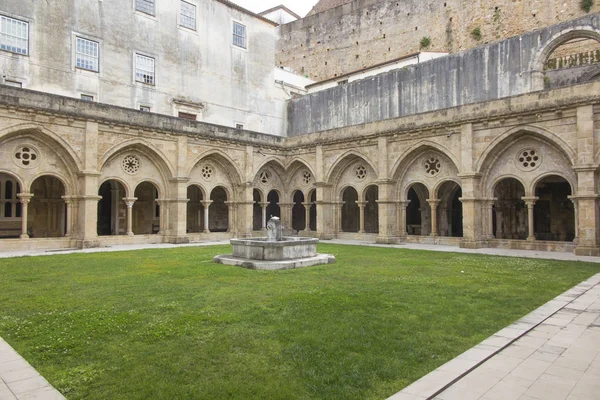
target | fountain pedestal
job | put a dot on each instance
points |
(275, 251)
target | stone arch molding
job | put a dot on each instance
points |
(57, 157)
(548, 46)
(337, 168)
(154, 153)
(126, 186)
(411, 168)
(225, 160)
(500, 159)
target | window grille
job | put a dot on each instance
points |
(239, 35)
(144, 69)
(87, 54)
(145, 6)
(14, 35)
(185, 115)
(187, 15)
(11, 205)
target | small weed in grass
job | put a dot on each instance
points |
(166, 324)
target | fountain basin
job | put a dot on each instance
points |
(263, 254)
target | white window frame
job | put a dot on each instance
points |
(234, 24)
(13, 83)
(87, 97)
(149, 109)
(7, 37)
(141, 57)
(79, 38)
(14, 200)
(182, 17)
(135, 7)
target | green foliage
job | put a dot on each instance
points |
(170, 324)
(425, 42)
(586, 5)
(476, 34)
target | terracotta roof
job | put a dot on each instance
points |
(280, 7)
(245, 11)
(324, 5)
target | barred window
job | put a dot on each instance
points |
(14, 35)
(187, 15)
(145, 6)
(144, 69)
(239, 35)
(87, 54)
(10, 205)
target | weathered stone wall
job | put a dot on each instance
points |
(368, 32)
(497, 70)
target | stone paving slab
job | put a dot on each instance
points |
(19, 380)
(553, 353)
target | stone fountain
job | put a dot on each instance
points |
(275, 251)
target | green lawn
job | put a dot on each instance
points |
(170, 324)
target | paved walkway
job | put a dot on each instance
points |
(552, 353)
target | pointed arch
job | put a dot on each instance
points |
(155, 154)
(275, 162)
(343, 161)
(234, 173)
(497, 146)
(404, 161)
(297, 163)
(46, 136)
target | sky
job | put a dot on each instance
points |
(300, 7)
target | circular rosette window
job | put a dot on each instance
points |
(26, 156)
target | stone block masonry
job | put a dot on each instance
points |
(367, 32)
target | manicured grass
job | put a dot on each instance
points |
(169, 324)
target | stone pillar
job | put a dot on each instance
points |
(206, 204)
(116, 201)
(286, 216)
(339, 216)
(307, 216)
(173, 212)
(129, 201)
(361, 205)
(586, 220)
(530, 202)
(489, 213)
(386, 205)
(25, 199)
(231, 208)
(401, 218)
(264, 215)
(69, 217)
(243, 211)
(433, 204)
(576, 212)
(326, 213)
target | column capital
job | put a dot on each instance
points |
(433, 202)
(530, 201)
(264, 204)
(206, 203)
(402, 203)
(25, 197)
(129, 201)
(362, 204)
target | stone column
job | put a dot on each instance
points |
(25, 199)
(339, 216)
(307, 216)
(129, 201)
(286, 216)
(69, 217)
(530, 201)
(586, 228)
(576, 212)
(231, 205)
(362, 205)
(433, 205)
(264, 206)
(489, 212)
(401, 218)
(206, 204)
(116, 201)
(243, 210)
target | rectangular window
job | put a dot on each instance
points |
(13, 84)
(86, 54)
(14, 35)
(187, 116)
(145, 108)
(144, 69)
(239, 35)
(239, 126)
(145, 6)
(86, 97)
(187, 15)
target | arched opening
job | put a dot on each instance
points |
(371, 215)
(146, 211)
(350, 210)
(256, 211)
(313, 211)
(418, 213)
(47, 212)
(218, 220)
(273, 209)
(195, 210)
(510, 211)
(554, 212)
(112, 210)
(572, 62)
(450, 210)
(10, 207)
(298, 212)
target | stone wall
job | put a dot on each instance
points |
(497, 70)
(367, 32)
